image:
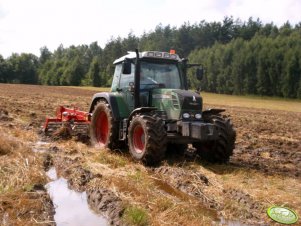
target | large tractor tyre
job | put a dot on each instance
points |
(103, 129)
(218, 151)
(178, 149)
(147, 139)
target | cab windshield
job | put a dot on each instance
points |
(159, 74)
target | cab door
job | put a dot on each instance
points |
(125, 89)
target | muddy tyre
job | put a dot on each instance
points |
(178, 149)
(218, 151)
(147, 139)
(104, 129)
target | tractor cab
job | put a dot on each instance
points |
(157, 69)
(158, 80)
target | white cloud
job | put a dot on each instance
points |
(268, 11)
(25, 26)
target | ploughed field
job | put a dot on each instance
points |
(265, 169)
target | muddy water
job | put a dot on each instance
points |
(71, 208)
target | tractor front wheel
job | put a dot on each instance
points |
(218, 151)
(103, 130)
(147, 139)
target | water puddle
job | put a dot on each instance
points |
(71, 207)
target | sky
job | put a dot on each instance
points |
(26, 26)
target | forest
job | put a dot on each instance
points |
(239, 57)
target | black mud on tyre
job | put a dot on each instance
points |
(147, 139)
(104, 130)
(218, 151)
(178, 149)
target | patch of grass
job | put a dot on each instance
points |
(24, 136)
(137, 176)
(98, 89)
(20, 170)
(134, 215)
(7, 145)
(112, 159)
(272, 103)
(264, 189)
(163, 204)
(28, 187)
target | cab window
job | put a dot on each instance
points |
(116, 77)
(126, 79)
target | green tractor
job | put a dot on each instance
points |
(150, 109)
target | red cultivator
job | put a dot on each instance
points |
(77, 122)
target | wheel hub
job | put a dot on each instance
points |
(138, 139)
(102, 129)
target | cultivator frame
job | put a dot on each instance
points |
(76, 121)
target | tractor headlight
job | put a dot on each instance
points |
(198, 116)
(186, 115)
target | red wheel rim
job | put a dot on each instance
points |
(102, 128)
(138, 139)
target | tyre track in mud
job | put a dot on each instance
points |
(210, 193)
(192, 183)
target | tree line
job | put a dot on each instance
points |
(239, 57)
(261, 66)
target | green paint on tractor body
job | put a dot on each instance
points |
(166, 100)
(122, 105)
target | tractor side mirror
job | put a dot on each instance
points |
(199, 73)
(126, 68)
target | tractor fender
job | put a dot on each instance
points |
(138, 111)
(110, 99)
(212, 111)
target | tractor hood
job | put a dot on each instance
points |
(175, 102)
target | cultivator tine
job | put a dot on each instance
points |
(80, 128)
(52, 128)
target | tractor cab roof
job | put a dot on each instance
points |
(150, 55)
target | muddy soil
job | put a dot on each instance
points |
(268, 147)
(267, 141)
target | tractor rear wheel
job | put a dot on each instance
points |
(147, 139)
(218, 151)
(104, 130)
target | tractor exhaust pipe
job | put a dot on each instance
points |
(137, 81)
